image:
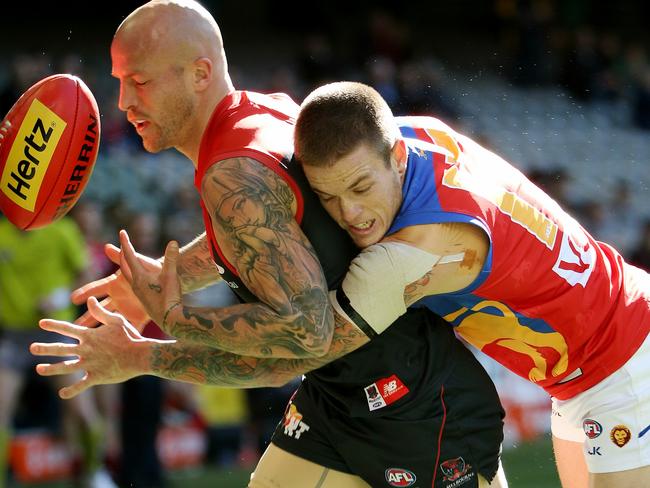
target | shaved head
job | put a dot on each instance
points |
(180, 30)
(168, 56)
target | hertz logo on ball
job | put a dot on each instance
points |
(30, 155)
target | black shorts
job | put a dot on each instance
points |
(446, 430)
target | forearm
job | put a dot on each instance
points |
(181, 361)
(197, 364)
(196, 268)
(256, 329)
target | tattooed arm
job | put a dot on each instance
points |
(196, 268)
(252, 211)
(116, 352)
(203, 365)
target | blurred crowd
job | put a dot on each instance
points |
(550, 43)
(538, 42)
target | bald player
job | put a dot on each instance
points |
(411, 406)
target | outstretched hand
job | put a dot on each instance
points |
(107, 354)
(158, 291)
(116, 292)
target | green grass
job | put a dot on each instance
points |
(531, 465)
(528, 465)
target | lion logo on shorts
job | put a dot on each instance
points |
(620, 435)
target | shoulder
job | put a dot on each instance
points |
(240, 172)
(443, 238)
(244, 179)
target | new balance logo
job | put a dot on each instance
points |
(390, 387)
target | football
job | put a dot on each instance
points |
(48, 147)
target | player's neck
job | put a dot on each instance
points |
(205, 110)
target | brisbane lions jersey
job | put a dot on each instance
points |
(552, 304)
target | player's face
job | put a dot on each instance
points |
(361, 192)
(154, 96)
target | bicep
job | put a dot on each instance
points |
(462, 249)
(389, 276)
(252, 211)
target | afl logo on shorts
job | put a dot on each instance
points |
(592, 428)
(400, 477)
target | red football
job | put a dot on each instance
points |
(48, 147)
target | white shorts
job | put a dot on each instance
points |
(611, 419)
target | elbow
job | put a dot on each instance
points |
(322, 348)
(312, 328)
(278, 375)
(280, 382)
(316, 352)
(308, 342)
(322, 334)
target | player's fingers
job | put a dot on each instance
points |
(74, 389)
(169, 279)
(101, 313)
(112, 253)
(128, 260)
(88, 320)
(97, 288)
(169, 271)
(60, 327)
(64, 367)
(126, 271)
(59, 349)
(171, 256)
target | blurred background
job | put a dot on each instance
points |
(560, 88)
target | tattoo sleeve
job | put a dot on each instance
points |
(196, 268)
(204, 365)
(252, 211)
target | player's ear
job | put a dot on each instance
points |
(399, 155)
(201, 73)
